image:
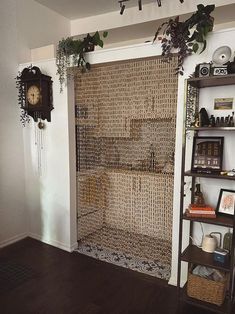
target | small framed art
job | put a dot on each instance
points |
(223, 104)
(226, 202)
(207, 154)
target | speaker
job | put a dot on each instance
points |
(202, 69)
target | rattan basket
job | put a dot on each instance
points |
(206, 290)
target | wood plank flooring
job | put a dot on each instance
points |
(65, 283)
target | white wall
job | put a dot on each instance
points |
(23, 24)
(13, 218)
(51, 210)
(38, 26)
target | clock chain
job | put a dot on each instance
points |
(39, 141)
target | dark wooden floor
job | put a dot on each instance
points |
(73, 283)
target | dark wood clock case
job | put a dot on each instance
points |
(42, 110)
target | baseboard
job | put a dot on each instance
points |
(13, 239)
(54, 243)
(172, 281)
(74, 246)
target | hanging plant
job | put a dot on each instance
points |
(188, 36)
(24, 117)
(71, 52)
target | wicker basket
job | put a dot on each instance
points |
(206, 290)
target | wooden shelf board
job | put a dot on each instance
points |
(212, 81)
(224, 308)
(219, 220)
(222, 128)
(193, 254)
(207, 175)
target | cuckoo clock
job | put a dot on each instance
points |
(36, 96)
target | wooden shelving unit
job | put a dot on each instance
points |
(219, 220)
(212, 81)
(215, 128)
(195, 255)
(208, 175)
(192, 254)
(204, 305)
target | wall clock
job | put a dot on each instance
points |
(36, 94)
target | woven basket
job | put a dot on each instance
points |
(206, 290)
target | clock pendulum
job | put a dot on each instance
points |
(39, 139)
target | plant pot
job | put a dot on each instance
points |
(90, 47)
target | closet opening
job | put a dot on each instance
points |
(125, 137)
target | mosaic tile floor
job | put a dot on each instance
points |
(136, 252)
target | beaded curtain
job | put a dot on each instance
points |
(125, 135)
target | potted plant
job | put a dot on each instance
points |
(71, 52)
(188, 36)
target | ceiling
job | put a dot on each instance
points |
(133, 31)
(74, 9)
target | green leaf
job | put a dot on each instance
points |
(204, 46)
(199, 38)
(209, 8)
(96, 38)
(200, 7)
(100, 43)
(88, 66)
(206, 30)
(192, 38)
(195, 47)
(105, 34)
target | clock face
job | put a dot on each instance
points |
(33, 95)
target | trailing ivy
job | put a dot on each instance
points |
(188, 36)
(71, 52)
(24, 117)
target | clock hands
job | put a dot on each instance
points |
(33, 96)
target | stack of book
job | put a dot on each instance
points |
(203, 211)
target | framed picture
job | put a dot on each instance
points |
(226, 202)
(207, 154)
(223, 104)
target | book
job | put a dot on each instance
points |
(212, 215)
(200, 207)
(203, 212)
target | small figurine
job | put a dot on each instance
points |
(226, 122)
(212, 120)
(196, 123)
(231, 173)
(231, 122)
(204, 119)
(198, 196)
(222, 121)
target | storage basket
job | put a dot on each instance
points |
(206, 290)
